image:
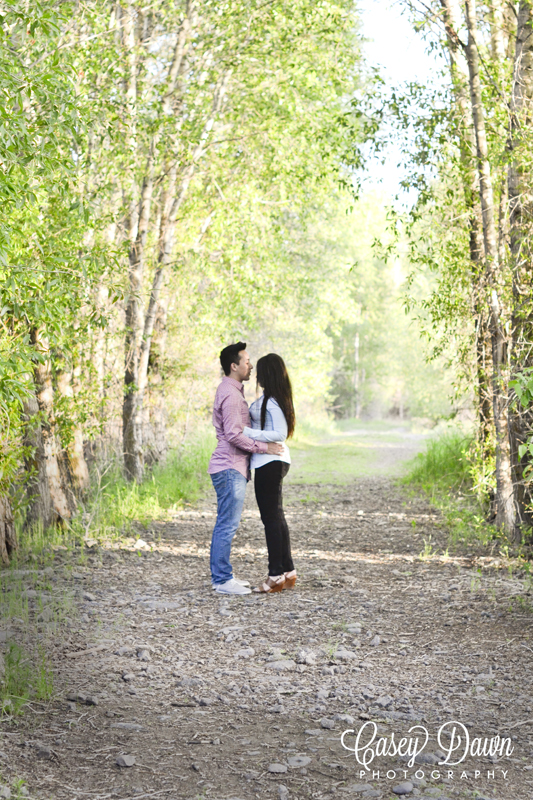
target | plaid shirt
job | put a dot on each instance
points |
(230, 416)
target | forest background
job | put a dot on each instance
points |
(175, 176)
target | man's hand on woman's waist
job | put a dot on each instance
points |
(274, 449)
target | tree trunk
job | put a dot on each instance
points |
(498, 33)
(467, 145)
(39, 500)
(7, 530)
(137, 367)
(134, 314)
(155, 435)
(99, 347)
(78, 469)
(356, 376)
(521, 232)
(139, 325)
(505, 501)
(62, 499)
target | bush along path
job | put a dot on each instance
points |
(162, 688)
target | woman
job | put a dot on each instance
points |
(273, 420)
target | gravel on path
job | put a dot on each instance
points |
(166, 689)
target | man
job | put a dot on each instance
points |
(229, 466)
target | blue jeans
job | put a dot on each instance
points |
(230, 487)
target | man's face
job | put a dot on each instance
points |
(242, 370)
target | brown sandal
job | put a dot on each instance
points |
(290, 579)
(274, 583)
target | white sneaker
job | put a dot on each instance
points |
(232, 587)
(243, 583)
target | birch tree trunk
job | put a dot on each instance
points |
(155, 424)
(137, 323)
(356, 377)
(499, 36)
(61, 499)
(39, 500)
(173, 201)
(132, 412)
(521, 232)
(78, 469)
(467, 143)
(99, 347)
(101, 303)
(505, 501)
(134, 315)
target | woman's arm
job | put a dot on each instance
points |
(279, 424)
(264, 436)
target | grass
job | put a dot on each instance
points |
(334, 462)
(445, 471)
(26, 674)
(313, 427)
(115, 506)
(116, 503)
(443, 465)
(26, 678)
(340, 452)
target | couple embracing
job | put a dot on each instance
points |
(251, 438)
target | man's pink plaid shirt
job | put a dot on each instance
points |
(230, 416)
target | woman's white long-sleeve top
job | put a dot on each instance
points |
(275, 430)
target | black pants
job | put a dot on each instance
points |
(268, 484)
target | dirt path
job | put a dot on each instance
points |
(248, 697)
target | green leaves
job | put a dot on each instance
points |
(45, 276)
(90, 111)
(525, 448)
(522, 385)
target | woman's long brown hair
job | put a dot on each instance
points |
(272, 375)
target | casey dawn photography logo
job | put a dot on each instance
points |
(454, 741)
